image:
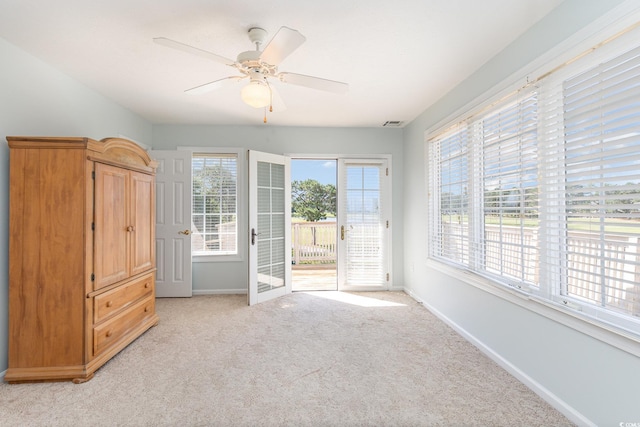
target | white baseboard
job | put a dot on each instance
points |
(197, 292)
(568, 411)
(2, 375)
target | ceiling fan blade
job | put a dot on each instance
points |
(193, 50)
(314, 82)
(208, 87)
(281, 45)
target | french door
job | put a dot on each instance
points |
(363, 224)
(269, 226)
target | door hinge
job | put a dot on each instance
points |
(93, 277)
(93, 174)
(93, 226)
(387, 277)
(387, 223)
(387, 172)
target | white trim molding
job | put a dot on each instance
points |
(563, 407)
(198, 292)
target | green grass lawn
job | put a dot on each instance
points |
(611, 225)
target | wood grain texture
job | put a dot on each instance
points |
(110, 332)
(58, 263)
(46, 280)
(112, 259)
(109, 303)
(143, 221)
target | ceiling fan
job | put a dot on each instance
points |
(259, 66)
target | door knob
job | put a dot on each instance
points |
(185, 232)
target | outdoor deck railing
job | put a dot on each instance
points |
(314, 242)
(512, 251)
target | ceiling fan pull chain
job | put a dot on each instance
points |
(270, 97)
(265, 114)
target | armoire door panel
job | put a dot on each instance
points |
(143, 220)
(112, 226)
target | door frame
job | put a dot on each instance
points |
(389, 206)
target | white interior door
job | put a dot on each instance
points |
(363, 224)
(173, 223)
(269, 226)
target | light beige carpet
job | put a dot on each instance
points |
(307, 359)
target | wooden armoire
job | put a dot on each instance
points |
(81, 254)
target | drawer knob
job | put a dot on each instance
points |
(146, 309)
(109, 303)
(147, 285)
(109, 333)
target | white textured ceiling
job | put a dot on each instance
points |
(398, 57)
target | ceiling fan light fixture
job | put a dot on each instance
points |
(256, 94)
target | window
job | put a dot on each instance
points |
(601, 167)
(450, 180)
(540, 191)
(485, 172)
(214, 204)
(508, 176)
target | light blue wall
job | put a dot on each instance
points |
(36, 99)
(232, 276)
(597, 380)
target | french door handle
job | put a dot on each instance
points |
(342, 231)
(185, 232)
(253, 236)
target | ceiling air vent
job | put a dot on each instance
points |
(392, 124)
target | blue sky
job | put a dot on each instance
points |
(323, 171)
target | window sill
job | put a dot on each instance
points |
(216, 258)
(615, 336)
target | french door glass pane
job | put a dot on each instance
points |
(271, 224)
(364, 249)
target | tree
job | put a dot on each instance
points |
(214, 195)
(313, 201)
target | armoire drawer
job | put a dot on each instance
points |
(111, 331)
(111, 302)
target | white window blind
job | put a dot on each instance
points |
(364, 219)
(541, 189)
(449, 182)
(602, 178)
(214, 204)
(509, 176)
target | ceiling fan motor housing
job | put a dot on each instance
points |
(249, 57)
(257, 75)
(249, 63)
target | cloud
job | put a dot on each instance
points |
(329, 164)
